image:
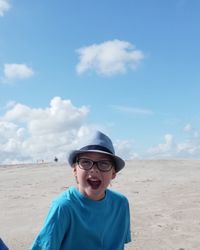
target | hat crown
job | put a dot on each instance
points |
(100, 141)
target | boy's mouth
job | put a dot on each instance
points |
(94, 183)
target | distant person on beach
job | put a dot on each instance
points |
(89, 216)
(56, 159)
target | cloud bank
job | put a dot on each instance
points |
(35, 134)
(189, 148)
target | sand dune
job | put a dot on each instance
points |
(164, 200)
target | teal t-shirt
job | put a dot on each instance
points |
(75, 222)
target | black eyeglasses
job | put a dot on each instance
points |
(102, 165)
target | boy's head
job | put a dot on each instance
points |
(95, 165)
(102, 144)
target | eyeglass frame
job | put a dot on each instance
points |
(95, 163)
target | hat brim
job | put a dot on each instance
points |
(119, 163)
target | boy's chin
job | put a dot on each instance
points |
(95, 194)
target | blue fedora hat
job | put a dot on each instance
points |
(100, 143)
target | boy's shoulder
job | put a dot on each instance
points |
(114, 195)
(64, 197)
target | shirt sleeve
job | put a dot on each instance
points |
(54, 228)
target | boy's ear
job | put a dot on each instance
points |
(74, 169)
(113, 174)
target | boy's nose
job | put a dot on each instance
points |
(94, 167)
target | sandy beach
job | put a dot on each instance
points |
(164, 201)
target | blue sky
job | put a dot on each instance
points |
(129, 68)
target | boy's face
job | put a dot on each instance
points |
(93, 182)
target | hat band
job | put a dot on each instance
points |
(96, 147)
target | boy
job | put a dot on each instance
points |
(89, 216)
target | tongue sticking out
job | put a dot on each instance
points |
(95, 184)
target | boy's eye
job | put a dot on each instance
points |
(85, 162)
(104, 163)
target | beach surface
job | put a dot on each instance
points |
(164, 197)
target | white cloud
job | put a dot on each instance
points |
(11, 142)
(132, 110)
(191, 131)
(4, 6)
(109, 58)
(188, 127)
(60, 115)
(124, 148)
(17, 71)
(190, 148)
(164, 150)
